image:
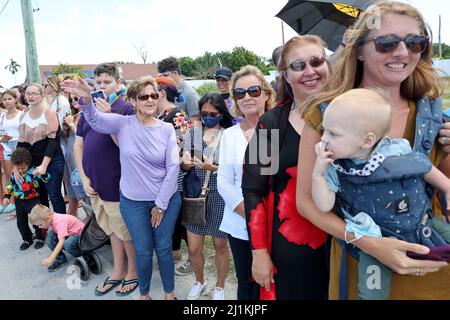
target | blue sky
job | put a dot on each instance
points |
(94, 31)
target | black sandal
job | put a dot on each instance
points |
(113, 283)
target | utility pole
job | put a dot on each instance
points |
(282, 32)
(440, 44)
(30, 43)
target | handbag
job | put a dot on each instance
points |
(194, 208)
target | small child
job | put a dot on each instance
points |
(26, 196)
(353, 159)
(63, 234)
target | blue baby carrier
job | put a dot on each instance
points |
(404, 210)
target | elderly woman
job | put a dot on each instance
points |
(252, 96)
(148, 184)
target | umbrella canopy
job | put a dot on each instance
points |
(326, 19)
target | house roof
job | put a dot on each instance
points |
(130, 71)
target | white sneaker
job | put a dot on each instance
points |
(196, 291)
(218, 294)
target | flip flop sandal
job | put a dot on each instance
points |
(113, 283)
(125, 283)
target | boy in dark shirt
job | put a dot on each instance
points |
(26, 195)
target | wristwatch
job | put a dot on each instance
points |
(159, 209)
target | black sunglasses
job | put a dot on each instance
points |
(300, 65)
(253, 91)
(388, 43)
(205, 114)
(145, 96)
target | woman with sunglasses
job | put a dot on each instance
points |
(251, 95)
(198, 149)
(149, 164)
(289, 258)
(396, 58)
(69, 128)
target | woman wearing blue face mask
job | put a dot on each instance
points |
(203, 140)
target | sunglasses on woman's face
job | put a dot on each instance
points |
(74, 99)
(300, 65)
(388, 43)
(253, 91)
(145, 96)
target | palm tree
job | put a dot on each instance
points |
(13, 67)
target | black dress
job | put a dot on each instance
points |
(297, 248)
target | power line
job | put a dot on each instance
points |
(7, 1)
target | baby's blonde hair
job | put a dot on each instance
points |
(39, 213)
(367, 108)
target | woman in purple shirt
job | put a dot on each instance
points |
(150, 164)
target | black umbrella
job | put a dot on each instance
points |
(326, 19)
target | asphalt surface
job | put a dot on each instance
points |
(22, 276)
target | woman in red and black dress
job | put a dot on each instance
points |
(289, 253)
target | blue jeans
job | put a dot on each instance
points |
(52, 188)
(136, 215)
(71, 245)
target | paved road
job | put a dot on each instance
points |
(22, 276)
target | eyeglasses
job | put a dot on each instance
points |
(73, 99)
(145, 96)
(388, 43)
(32, 94)
(205, 114)
(253, 91)
(300, 65)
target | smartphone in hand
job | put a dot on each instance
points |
(439, 253)
(98, 94)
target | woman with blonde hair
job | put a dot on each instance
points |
(39, 133)
(289, 253)
(396, 58)
(252, 96)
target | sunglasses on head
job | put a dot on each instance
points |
(253, 91)
(388, 43)
(145, 96)
(300, 65)
(205, 114)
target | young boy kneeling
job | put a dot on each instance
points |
(63, 234)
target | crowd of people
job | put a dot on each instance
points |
(287, 165)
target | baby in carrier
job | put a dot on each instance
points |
(380, 186)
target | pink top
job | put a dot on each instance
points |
(66, 225)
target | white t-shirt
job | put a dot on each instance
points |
(229, 179)
(11, 126)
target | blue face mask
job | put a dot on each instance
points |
(211, 121)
